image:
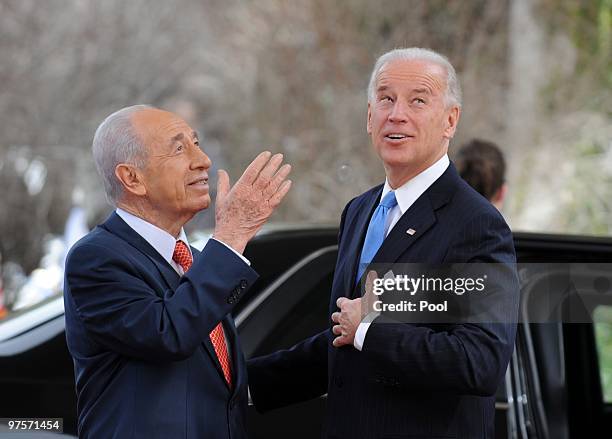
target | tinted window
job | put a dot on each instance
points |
(307, 318)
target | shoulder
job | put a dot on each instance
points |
(357, 203)
(97, 246)
(468, 206)
(478, 230)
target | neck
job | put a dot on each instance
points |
(398, 176)
(171, 225)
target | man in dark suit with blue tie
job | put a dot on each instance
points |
(386, 378)
(148, 319)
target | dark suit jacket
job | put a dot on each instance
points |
(409, 380)
(139, 337)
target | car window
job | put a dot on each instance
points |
(308, 317)
(602, 318)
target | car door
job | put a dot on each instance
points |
(560, 378)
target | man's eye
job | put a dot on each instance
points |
(418, 100)
(386, 99)
(179, 147)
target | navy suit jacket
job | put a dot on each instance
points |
(409, 380)
(139, 336)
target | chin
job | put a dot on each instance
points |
(397, 158)
(205, 203)
(201, 204)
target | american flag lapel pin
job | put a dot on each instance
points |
(411, 231)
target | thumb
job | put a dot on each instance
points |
(223, 185)
(369, 297)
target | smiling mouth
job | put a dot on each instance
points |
(397, 136)
(200, 182)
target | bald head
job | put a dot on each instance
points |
(152, 125)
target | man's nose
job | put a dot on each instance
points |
(398, 112)
(200, 159)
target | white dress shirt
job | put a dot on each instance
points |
(162, 241)
(405, 195)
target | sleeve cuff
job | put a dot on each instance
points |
(362, 330)
(246, 261)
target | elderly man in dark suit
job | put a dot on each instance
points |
(148, 322)
(387, 378)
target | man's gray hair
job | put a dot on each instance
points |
(115, 142)
(453, 89)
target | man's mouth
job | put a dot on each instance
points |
(397, 136)
(199, 182)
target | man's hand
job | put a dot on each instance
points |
(352, 313)
(347, 320)
(242, 210)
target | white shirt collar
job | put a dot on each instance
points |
(159, 239)
(410, 191)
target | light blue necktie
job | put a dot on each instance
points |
(376, 232)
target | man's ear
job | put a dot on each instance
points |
(369, 121)
(130, 179)
(500, 196)
(452, 119)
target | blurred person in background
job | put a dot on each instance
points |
(481, 164)
(148, 322)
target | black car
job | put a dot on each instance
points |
(555, 386)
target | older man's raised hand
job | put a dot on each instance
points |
(242, 210)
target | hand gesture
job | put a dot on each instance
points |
(242, 210)
(352, 313)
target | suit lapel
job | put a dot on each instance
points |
(419, 217)
(235, 353)
(413, 224)
(230, 336)
(208, 345)
(115, 225)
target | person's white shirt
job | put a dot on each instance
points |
(405, 195)
(162, 241)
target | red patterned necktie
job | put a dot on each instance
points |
(182, 256)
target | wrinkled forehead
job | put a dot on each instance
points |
(412, 73)
(154, 125)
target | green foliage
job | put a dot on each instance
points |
(603, 338)
(589, 208)
(589, 24)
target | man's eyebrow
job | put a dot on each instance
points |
(176, 138)
(422, 90)
(381, 88)
(194, 134)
